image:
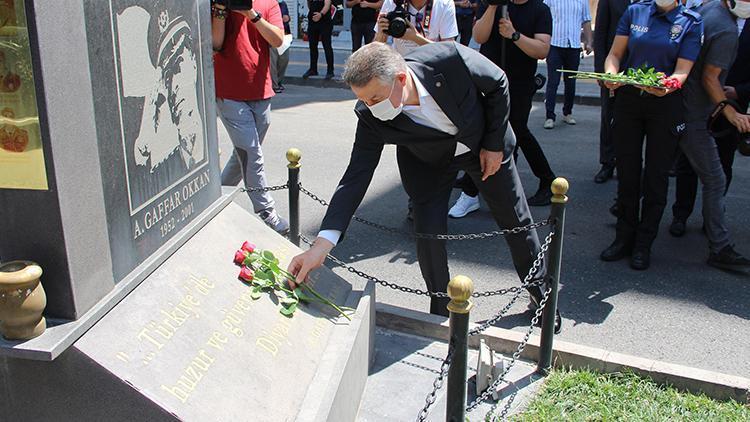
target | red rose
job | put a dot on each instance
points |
(246, 274)
(248, 247)
(239, 257)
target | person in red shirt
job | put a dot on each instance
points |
(241, 40)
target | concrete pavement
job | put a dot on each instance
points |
(679, 311)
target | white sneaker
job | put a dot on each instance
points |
(464, 205)
(549, 124)
(569, 119)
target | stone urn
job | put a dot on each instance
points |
(22, 300)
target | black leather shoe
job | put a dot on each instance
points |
(615, 210)
(618, 250)
(606, 173)
(677, 228)
(330, 76)
(641, 259)
(728, 259)
(309, 73)
(543, 195)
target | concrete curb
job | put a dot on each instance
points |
(712, 384)
(338, 83)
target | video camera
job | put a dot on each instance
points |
(235, 4)
(398, 20)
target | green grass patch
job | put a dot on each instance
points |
(569, 395)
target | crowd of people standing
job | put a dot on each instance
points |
(706, 47)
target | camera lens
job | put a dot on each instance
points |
(397, 28)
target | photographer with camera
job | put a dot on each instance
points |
(524, 35)
(412, 23)
(242, 31)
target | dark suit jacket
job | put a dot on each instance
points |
(472, 92)
(739, 74)
(608, 14)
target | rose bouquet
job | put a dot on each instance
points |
(260, 269)
(643, 77)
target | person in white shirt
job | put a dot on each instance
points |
(431, 20)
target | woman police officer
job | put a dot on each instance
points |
(665, 35)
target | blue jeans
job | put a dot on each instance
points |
(247, 123)
(561, 58)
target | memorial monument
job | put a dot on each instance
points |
(109, 180)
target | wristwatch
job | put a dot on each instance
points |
(257, 17)
(515, 36)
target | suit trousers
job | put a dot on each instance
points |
(320, 32)
(520, 108)
(362, 30)
(606, 146)
(503, 193)
(660, 121)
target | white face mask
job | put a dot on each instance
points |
(664, 3)
(384, 110)
(741, 9)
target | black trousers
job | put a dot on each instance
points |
(465, 25)
(320, 32)
(362, 30)
(687, 180)
(660, 120)
(503, 193)
(606, 146)
(521, 97)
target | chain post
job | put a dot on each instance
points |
(293, 155)
(460, 289)
(557, 215)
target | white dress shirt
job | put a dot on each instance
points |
(567, 18)
(427, 113)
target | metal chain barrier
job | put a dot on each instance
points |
(265, 189)
(488, 392)
(526, 282)
(419, 292)
(436, 385)
(427, 236)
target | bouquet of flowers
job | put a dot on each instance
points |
(260, 269)
(641, 77)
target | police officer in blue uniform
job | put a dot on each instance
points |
(665, 35)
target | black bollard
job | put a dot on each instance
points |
(557, 215)
(293, 155)
(460, 289)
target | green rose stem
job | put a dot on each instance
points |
(270, 264)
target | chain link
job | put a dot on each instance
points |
(419, 292)
(437, 384)
(427, 236)
(526, 282)
(488, 392)
(265, 189)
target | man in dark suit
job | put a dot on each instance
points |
(738, 79)
(608, 14)
(446, 108)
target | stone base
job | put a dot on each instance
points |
(190, 344)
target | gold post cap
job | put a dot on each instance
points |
(293, 155)
(560, 188)
(460, 289)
